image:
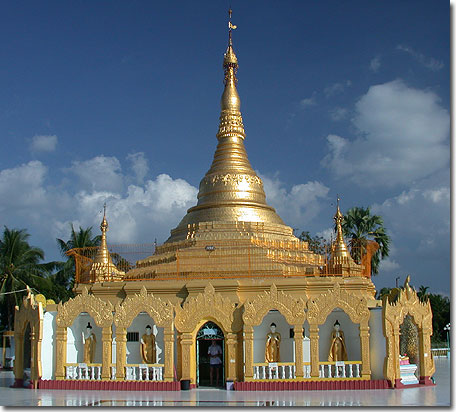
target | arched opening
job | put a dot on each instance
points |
(27, 353)
(264, 349)
(339, 346)
(210, 355)
(409, 348)
(144, 349)
(84, 344)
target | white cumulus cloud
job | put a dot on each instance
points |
(21, 187)
(403, 136)
(43, 143)
(139, 164)
(296, 206)
(99, 173)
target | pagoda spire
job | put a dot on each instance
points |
(230, 191)
(103, 255)
(102, 267)
(340, 248)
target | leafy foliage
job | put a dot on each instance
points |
(20, 267)
(360, 226)
(64, 277)
(317, 244)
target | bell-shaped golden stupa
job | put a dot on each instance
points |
(231, 231)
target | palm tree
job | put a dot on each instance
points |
(20, 267)
(382, 292)
(422, 292)
(64, 278)
(360, 227)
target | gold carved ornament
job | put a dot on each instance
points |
(161, 312)
(208, 305)
(100, 310)
(396, 305)
(30, 312)
(354, 306)
(291, 308)
(233, 178)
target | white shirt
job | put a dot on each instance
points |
(215, 350)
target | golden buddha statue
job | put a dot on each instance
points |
(148, 353)
(337, 349)
(272, 350)
(90, 344)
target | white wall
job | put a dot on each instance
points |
(259, 337)
(48, 346)
(133, 348)
(377, 343)
(351, 332)
(75, 347)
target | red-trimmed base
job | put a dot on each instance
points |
(424, 381)
(18, 383)
(312, 385)
(109, 385)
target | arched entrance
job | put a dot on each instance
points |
(209, 332)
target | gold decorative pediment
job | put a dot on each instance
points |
(208, 305)
(100, 310)
(396, 305)
(30, 311)
(160, 311)
(353, 305)
(293, 309)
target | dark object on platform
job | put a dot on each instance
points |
(185, 384)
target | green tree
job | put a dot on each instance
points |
(382, 292)
(422, 292)
(20, 266)
(440, 316)
(64, 277)
(359, 226)
(317, 244)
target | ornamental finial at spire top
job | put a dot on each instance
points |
(104, 223)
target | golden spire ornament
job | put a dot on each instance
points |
(230, 191)
(340, 248)
(341, 260)
(102, 268)
(103, 253)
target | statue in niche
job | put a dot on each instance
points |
(148, 354)
(272, 350)
(90, 344)
(337, 349)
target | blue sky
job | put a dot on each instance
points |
(119, 101)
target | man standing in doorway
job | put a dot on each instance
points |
(215, 354)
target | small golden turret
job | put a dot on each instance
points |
(102, 268)
(103, 256)
(341, 261)
(340, 249)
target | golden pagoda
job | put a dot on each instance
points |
(231, 271)
(232, 221)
